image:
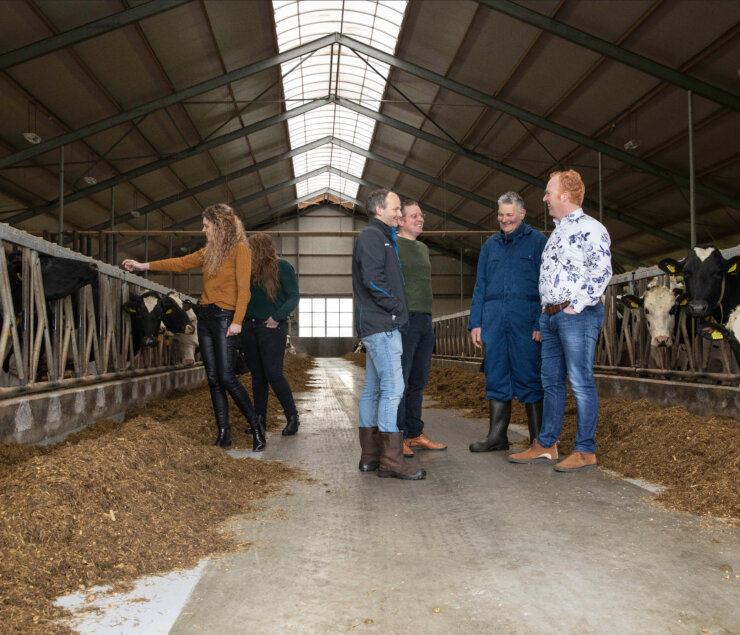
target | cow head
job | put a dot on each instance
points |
(704, 272)
(146, 315)
(730, 332)
(660, 305)
(175, 317)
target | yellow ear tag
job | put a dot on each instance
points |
(684, 302)
(168, 311)
(634, 305)
(20, 277)
(732, 269)
(716, 335)
(671, 268)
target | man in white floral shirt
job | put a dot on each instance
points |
(576, 267)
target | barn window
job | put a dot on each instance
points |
(325, 317)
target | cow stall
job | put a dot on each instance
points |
(655, 351)
(70, 354)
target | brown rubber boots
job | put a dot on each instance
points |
(392, 463)
(370, 444)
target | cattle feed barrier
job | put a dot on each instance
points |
(625, 362)
(92, 338)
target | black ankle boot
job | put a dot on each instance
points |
(498, 421)
(534, 419)
(248, 429)
(258, 433)
(224, 437)
(292, 426)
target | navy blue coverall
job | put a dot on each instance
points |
(506, 307)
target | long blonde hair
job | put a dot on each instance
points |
(228, 232)
(264, 264)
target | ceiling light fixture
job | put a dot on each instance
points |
(90, 180)
(32, 136)
(135, 213)
(632, 144)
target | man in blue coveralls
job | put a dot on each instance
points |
(504, 315)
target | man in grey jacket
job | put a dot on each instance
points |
(380, 310)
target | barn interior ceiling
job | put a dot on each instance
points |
(143, 113)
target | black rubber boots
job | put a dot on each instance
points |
(499, 415)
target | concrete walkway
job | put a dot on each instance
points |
(480, 546)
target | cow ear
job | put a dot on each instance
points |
(631, 301)
(733, 266)
(670, 265)
(129, 307)
(188, 304)
(712, 331)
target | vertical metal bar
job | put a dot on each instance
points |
(60, 238)
(601, 192)
(146, 244)
(172, 275)
(461, 279)
(692, 196)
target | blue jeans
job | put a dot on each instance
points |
(568, 344)
(383, 381)
(418, 344)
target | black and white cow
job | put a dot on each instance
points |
(180, 320)
(146, 314)
(730, 332)
(661, 305)
(712, 281)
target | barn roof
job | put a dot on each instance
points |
(165, 107)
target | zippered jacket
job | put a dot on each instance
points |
(377, 281)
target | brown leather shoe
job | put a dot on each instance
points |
(576, 462)
(423, 442)
(407, 451)
(535, 453)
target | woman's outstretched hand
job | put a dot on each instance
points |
(134, 265)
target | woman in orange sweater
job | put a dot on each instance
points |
(227, 267)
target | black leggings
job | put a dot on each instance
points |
(264, 349)
(219, 359)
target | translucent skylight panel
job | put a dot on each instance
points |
(334, 70)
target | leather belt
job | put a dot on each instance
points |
(552, 309)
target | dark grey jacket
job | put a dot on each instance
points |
(377, 281)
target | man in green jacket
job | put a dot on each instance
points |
(418, 338)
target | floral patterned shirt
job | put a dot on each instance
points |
(576, 263)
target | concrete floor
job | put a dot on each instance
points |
(480, 546)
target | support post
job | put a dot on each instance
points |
(601, 192)
(60, 237)
(692, 195)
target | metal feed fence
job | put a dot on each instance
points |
(90, 344)
(624, 343)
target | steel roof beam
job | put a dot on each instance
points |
(86, 32)
(618, 53)
(502, 167)
(169, 160)
(157, 104)
(235, 203)
(537, 120)
(250, 169)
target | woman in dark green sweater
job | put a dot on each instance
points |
(274, 295)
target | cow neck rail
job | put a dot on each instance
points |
(62, 315)
(627, 343)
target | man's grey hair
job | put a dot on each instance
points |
(512, 198)
(375, 199)
(408, 203)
